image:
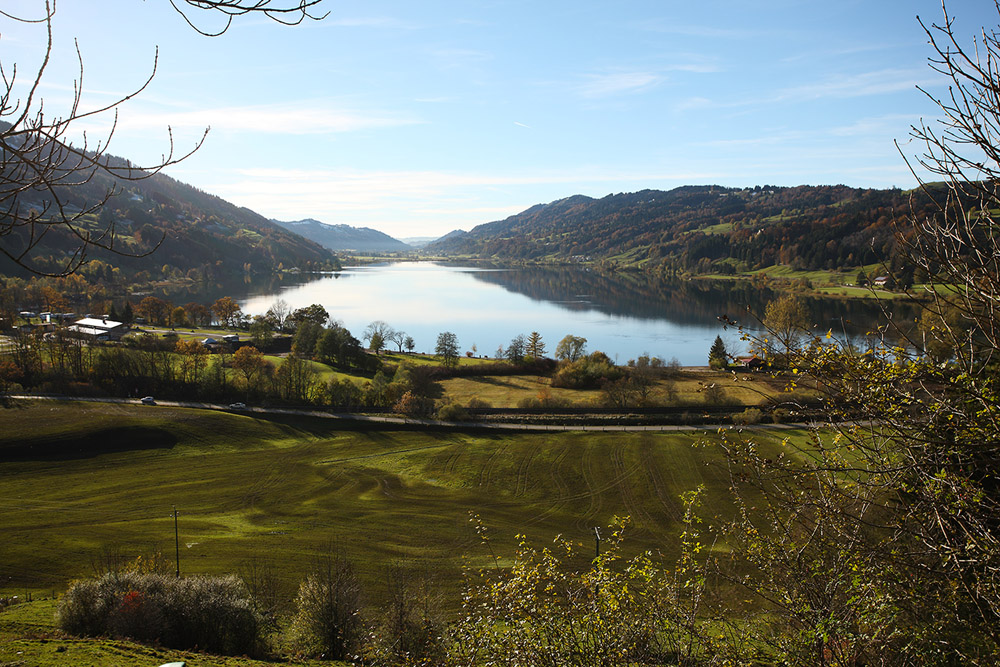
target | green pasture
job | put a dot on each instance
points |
(79, 478)
(507, 391)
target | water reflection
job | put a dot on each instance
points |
(624, 314)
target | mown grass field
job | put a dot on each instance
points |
(76, 478)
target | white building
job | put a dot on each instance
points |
(99, 328)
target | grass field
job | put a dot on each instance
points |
(78, 478)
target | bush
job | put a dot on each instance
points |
(590, 372)
(210, 613)
(452, 412)
(413, 405)
(747, 417)
(328, 621)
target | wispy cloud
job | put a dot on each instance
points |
(286, 118)
(617, 83)
(862, 84)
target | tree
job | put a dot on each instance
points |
(399, 338)
(278, 313)
(447, 349)
(786, 319)
(517, 349)
(377, 333)
(718, 357)
(154, 309)
(409, 344)
(249, 362)
(194, 358)
(571, 348)
(261, 332)
(41, 170)
(535, 347)
(178, 317)
(226, 311)
(315, 314)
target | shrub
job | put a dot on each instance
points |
(747, 417)
(211, 613)
(413, 405)
(328, 621)
(588, 372)
(452, 412)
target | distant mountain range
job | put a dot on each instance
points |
(343, 237)
(702, 228)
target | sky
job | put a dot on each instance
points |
(418, 118)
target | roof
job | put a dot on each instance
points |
(96, 323)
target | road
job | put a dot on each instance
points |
(407, 421)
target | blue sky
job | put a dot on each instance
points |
(420, 118)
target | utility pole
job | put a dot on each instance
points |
(177, 545)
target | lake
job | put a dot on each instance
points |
(623, 315)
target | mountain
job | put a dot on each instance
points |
(343, 237)
(418, 241)
(701, 228)
(189, 232)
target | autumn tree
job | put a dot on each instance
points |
(194, 359)
(571, 348)
(249, 362)
(227, 311)
(154, 310)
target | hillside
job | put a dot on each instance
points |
(343, 237)
(699, 228)
(199, 234)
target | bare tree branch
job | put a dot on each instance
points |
(293, 13)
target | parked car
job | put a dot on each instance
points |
(237, 406)
(147, 400)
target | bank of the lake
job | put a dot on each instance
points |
(624, 314)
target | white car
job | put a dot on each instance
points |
(147, 400)
(237, 406)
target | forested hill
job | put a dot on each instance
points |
(344, 237)
(701, 228)
(203, 236)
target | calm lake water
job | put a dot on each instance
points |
(622, 315)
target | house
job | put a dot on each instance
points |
(753, 363)
(99, 328)
(880, 281)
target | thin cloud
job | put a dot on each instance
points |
(289, 119)
(864, 84)
(617, 83)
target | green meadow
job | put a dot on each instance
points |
(80, 479)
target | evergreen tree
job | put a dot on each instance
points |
(718, 358)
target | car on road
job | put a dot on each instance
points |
(147, 400)
(237, 406)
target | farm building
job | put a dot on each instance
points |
(99, 328)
